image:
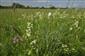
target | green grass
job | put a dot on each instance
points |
(42, 32)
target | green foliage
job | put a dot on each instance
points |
(45, 32)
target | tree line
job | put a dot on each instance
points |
(17, 5)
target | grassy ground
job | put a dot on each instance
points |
(42, 32)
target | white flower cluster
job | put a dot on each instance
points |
(67, 49)
(64, 45)
(28, 30)
(29, 52)
(38, 13)
(49, 14)
(73, 49)
(76, 23)
(24, 15)
(33, 42)
(70, 28)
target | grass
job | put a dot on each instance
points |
(42, 32)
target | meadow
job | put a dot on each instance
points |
(42, 32)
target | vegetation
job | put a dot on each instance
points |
(17, 5)
(42, 32)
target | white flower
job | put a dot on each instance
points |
(73, 49)
(66, 49)
(24, 15)
(28, 34)
(49, 14)
(38, 13)
(28, 24)
(71, 28)
(33, 42)
(28, 30)
(64, 45)
(76, 23)
(30, 51)
(28, 27)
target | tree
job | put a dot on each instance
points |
(52, 7)
(28, 7)
(17, 5)
(42, 7)
(0, 6)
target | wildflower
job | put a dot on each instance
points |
(30, 51)
(49, 14)
(40, 16)
(66, 49)
(28, 23)
(73, 49)
(28, 27)
(64, 45)
(28, 30)
(71, 28)
(33, 42)
(38, 13)
(17, 39)
(76, 23)
(28, 34)
(24, 15)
